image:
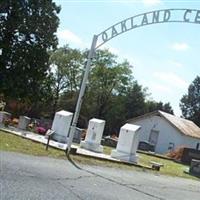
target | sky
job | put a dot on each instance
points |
(164, 57)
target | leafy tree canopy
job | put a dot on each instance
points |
(27, 32)
(107, 78)
(112, 92)
(153, 106)
(66, 66)
(190, 103)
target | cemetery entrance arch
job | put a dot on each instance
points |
(149, 18)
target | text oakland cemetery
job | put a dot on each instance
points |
(153, 17)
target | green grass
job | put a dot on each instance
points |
(13, 143)
(170, 167)
(107, 150)
(9, 142)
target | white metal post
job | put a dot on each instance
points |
(81, 94)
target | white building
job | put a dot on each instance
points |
(166, 131)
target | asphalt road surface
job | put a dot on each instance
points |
(24, 177)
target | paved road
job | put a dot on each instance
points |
(24, 177)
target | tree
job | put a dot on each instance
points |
(135, 100)
(125, 105)
(112, 93)
(107, 78)
(190, 103)
(154, 106)
(27, 32)
(66, 69)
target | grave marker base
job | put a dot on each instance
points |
(92, 146)
(124, 156)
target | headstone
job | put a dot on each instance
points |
(110, 142)
(94, 135)
(24, 122)
(4, 116)
(189, 154)
(77, 135)
(146, 146)
(127, 144)
(195, 167)
(61, 125)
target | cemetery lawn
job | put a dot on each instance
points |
(170, 168)
(13, 143)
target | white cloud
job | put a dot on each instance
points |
(151, 2)
(69, 37)
(157, 87)
(175, 63)
(180, 46)
(171, 79)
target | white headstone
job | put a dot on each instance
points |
(4, 116)
(127, 143)
(94, 135)
(61, 125)
(24, 122)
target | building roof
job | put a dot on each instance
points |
(185, 126)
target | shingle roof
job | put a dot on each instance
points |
(185, 126)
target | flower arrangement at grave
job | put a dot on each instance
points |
(7, 122)
(42, 127)
(31, 126)
(2, 105)
(41, 130)
(2, 102)
(14, 122)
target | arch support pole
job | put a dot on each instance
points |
(81, 95)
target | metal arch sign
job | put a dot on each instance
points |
(148, 18)
(153, 17)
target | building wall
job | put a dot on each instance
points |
(190, 141)
(167, 133)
